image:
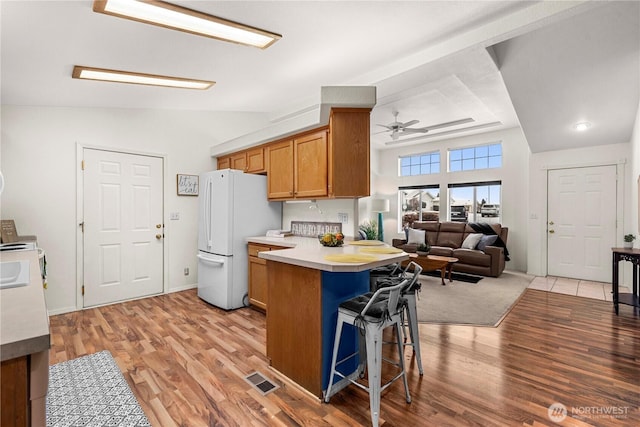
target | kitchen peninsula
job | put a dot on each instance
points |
(304, 291)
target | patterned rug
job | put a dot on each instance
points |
(90, 391)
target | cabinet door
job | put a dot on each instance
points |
(349, 152)
(224, 163)
(255, 160)
(280, 170)
(239, 161)
(310, 165)
(258, 282)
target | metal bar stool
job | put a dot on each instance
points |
(371, 313)
(409, 293)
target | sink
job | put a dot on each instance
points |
(14, 274)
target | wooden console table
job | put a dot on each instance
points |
(633, 256)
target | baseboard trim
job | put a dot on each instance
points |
(182, 288)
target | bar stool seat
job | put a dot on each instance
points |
(411, 311)
(371, 314)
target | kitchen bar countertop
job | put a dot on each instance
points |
(24, 321)
(308, 252)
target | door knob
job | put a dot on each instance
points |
(158, 225)
(550, 222)
(158, 236)
(551, 231)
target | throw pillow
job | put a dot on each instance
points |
(486, 240)
(471, 241)
(415, 236)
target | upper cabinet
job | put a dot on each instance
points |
(328, 162)
(298, 167)
(349, 173)
(251, 161)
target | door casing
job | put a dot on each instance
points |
(80, 215)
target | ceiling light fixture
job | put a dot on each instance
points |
(582, 126)
(180, 18)
(89, 73)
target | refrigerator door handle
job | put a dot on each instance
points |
(209, 260)
(207, 205)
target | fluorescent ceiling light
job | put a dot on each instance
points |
(179, 18)
(89, 73)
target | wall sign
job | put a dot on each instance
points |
(188, 185)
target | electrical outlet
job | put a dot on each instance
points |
(343, 217)
(174, 215)
(186, 271)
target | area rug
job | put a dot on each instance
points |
(91, 391)
(484, 303)
(461, 277)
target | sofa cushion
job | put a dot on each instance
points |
(451, 234)
(471, 241)
(415, 236)
(431, 227)
(474, 257)
(441, 251)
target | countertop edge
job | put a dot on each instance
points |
(25, 347)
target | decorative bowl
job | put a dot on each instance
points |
(331, 239)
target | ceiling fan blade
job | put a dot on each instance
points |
(384, 126)
(447, 124)
(409, 123)
(415, 130)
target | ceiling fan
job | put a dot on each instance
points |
(398, 129)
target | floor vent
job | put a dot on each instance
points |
(261, 383)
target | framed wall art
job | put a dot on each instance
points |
(188, 185)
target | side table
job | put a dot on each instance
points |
(433, 263)
(633, 256)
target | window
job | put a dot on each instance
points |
(420, 164)
(475, 202)
(470, 158)
(417, 203)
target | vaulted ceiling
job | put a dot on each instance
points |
(542, 65)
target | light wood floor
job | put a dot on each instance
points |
(186, 362)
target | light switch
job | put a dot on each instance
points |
(174, 215)
(343, 217)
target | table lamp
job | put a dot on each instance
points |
(380, 206)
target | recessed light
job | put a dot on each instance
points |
(90, 73)
(582, 126)
(180, 18)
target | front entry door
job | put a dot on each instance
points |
(123, 230)
(581, 227)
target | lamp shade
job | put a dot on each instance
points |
(380, 205)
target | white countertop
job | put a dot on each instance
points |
(24, 321)
(308, 252)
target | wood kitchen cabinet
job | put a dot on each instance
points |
(250, 161)
(239, 161)
(327, 162)
(258, 275)
(224, 162)
(298, 167)
(349, 170)
(256, 160)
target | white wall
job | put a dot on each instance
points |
(613, 154)
(513, 174)
(38, 160)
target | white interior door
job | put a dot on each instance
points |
(581, 225)
(123, 230)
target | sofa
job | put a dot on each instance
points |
(485, 253)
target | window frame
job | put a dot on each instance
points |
(469, 157)
(420, 165)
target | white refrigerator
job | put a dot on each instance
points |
(233, 205)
